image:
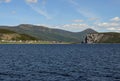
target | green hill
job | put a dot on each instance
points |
(6, 34)
(49, 34)
(110, 38)
(33, 32)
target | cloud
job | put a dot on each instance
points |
(5, 1)
(45, 25)
(78, 20)
(93, 19)
(39, 8)
(44, 2)
(83, 11)
(40, 11)
(99, 26)
(73, 2)
(74, 27)
(109, 26)
(113, 29)
(115, 19)
(13, 12)
(31, 1)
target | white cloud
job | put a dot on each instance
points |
(77, 27)
(115, 19)
(39, 8)
(111, 29)
(82, 10)
(108, 24)
(86, 13)
(45, 25)
(13, 12)
(74, 27)
(6, 1)
(31, 1)
(93, 18)
(73, 2)
(40, 11)
(114, 29)
(78, 20)
(44, 2)
(98, 26)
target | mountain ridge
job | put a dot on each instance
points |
(51, 34)
(48, 34)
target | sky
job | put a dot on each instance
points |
(71, 15)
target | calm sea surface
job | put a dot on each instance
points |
(60, 62)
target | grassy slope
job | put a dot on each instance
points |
(22, 36)
(110, 38)
(46, 34)
(5, 31)
(49, 34)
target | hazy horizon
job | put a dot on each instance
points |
(70, 15)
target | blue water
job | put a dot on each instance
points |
(60, 62)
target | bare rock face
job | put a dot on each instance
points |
(110, 37)
(93, 38)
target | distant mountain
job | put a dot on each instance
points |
(109, 37)
(6, 34)
(50, 34)
(84, 33)
(33, 32)
(89, 31)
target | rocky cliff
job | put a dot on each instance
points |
(103, 38)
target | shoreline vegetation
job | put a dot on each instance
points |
(31, 42)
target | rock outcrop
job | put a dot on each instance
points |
(93, 38)
(103, 38)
